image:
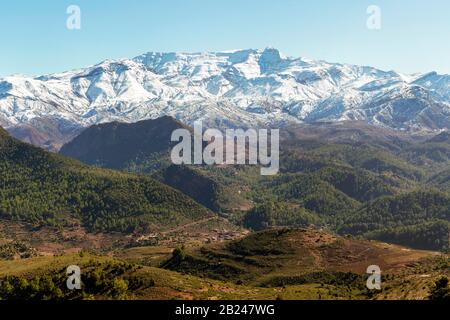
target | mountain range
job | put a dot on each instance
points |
(240, 88)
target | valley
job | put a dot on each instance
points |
(347, 196)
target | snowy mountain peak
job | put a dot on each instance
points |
(230, 88)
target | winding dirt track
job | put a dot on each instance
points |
(179, 228)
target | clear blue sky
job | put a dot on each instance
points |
(414, 36)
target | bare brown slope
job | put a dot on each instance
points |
(270, 256)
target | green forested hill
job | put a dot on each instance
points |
(419, 218)
(430, 235)
(354, 179)
(49, 189)
(312, 193)
(395, 211)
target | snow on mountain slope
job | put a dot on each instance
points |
(232, 88)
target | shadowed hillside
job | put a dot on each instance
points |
(143, 146)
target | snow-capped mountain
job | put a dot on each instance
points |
(233, 88)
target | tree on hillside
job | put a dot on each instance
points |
(440, 290)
